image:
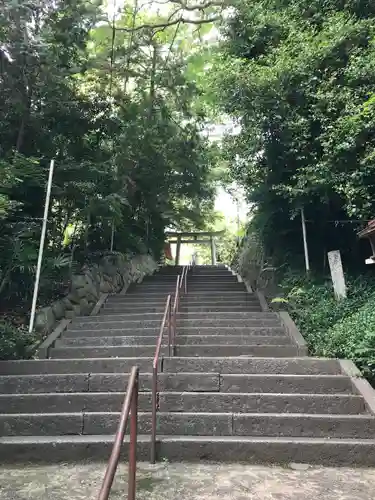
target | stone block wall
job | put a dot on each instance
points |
(113, 274)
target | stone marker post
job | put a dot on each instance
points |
(337, 274)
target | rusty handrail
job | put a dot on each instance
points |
(183, 281)
(176, 307)
(130, 406)
(154, 397)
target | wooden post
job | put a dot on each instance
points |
(178, 249)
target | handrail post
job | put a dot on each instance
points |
(154, 403)
(169, 329)
(129, 408)
(155, 368)
(175, 310)
(133, 441)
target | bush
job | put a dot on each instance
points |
(354, 338)
(16, 342)
(332, 328)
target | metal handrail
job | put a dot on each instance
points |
(154, 398)
(183, 282)
(176, 307)
(130, 406)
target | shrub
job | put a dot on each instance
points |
(353, 338)
(15, 341)
(332, 328)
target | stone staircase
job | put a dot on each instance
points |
(238, 389)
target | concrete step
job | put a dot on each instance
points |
(242, 331)
(190, 382)
(212, 424)
(158, 277)
(136, 298)
(228, 315)
(207, 289)
(209, 320)
(105, 382)
(208, 350)
(193, 309)
(184, 402)
(193, 424)
(210, 283)
(221, 274)
(215, 295)
(112, 332)
(228, 365)
(304, 425)
(154, 287)
(78, 365)
(239, 365)
(281, 384)
(231, 330)
(277, 450)
(261, 403)
(246, 301)
(69, 402)
(181, 350)
(236, 340)
(105, 317)
(129, 312)
(157, 299)
(129, 308)
(207, 278)
(104, 352)
(117, 323)
(109, 341)
(181, 340)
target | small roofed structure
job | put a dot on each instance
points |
(203, 237)
(369, 233)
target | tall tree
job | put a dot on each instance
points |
(298, 76)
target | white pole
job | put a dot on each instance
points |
(307, 262)
(112, 235)
(41, 246)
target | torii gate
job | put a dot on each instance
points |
(194, 238)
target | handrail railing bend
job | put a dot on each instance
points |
(154, 398)
(130, 406)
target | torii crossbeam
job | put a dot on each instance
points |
(202, 237)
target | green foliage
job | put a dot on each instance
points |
(334, 328)
(119, 119)
(298, 77)
(15, 341)
(354, 338)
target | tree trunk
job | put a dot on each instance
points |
(152, 83)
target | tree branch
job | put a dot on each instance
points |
(203, 6)
(165, 25)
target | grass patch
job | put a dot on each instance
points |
(148, 483)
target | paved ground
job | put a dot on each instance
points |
(189, 482)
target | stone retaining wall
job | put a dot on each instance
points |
(113, 274)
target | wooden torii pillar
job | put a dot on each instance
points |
(213, 251)
(178, 249)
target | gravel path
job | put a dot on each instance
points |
(180, 481)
